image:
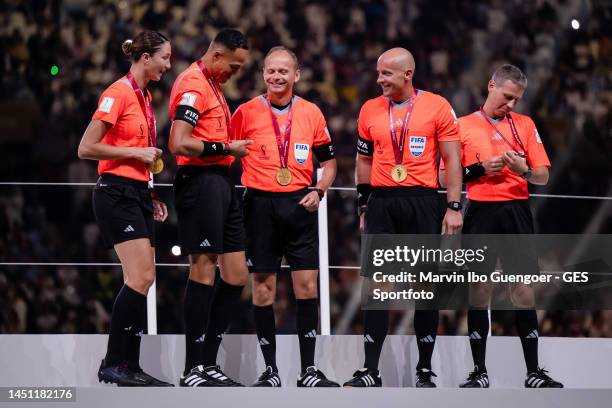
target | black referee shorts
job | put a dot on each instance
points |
(123, 209)
(276, 226)
(209, 211)
(404, 210)
(517, 255)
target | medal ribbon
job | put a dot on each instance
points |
(512, 129)
(145, 104)
(218, 93)
(282, 141)
(398, 147)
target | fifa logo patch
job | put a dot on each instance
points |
(417, 145)
(106, 105)
(300, 152)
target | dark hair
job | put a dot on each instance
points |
(231, 39)
(145, 42)
(285, 49)
(509, 72)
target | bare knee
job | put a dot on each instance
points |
(142, 280)
(264, 290)
(306, 288)
(480, 294)
(202, 268)
(522, 296)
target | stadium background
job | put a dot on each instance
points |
(456, 45)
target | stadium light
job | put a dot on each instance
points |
(176, 250)
(575, 24)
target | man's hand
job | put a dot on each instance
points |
(493, 165)
(515, 163)
(452, 223)
(160, 211)
(238, 148)
(310, 201)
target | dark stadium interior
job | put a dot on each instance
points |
(43, 116)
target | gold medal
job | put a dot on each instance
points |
(157, 166)
(399, 173)
(283, 176)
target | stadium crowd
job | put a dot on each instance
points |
(42, 118)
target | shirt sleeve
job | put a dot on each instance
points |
(110, 106)
(536, 154)
(236, 125)
(321, 135)
(447, 123)
(362, 127)
(193, 97)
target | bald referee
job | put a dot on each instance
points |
(401, 134)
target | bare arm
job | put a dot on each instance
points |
(182, 143)
(92, 148)
(330, 168)
(363, 171)
(453, 220)
(454, 175)
(311, 200)
(518, 165)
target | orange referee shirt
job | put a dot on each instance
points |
(480, 142)
(252, 121)
(432, 121)
(192, 89)
(119, 107)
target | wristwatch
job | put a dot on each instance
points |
(527, 175)
(455, 205)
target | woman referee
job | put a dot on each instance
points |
(121, 135)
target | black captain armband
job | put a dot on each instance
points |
(187, 114)
(473, 172)
(214, 149)
(324, 152)
(365, 147)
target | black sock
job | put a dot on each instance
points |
(138, 329)
(127, 312)
(425, 328)
(376, 324)
(195, 313)
(478, 330)
(222, 311)
(527, 329)
(265, 326)
(307, 320)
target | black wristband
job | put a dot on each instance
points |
(213, 149)
(363, 193)
(473, 172)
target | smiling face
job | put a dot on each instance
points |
(280, 73)
(395, 69)
(158, 63)
(225, 63)
(502, 98)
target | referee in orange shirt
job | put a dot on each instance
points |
(121, 135)
(401, 134)
(288, 132)
(502, 153)
(210, 220)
